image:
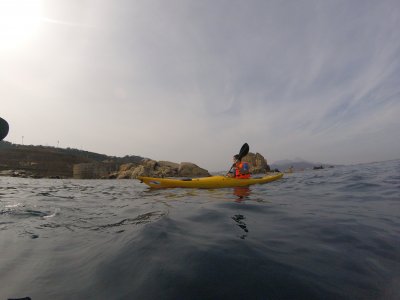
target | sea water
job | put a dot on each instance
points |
(323, 234)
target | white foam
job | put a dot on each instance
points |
(56, 212)
(13, 205)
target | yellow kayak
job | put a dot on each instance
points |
(213, 182)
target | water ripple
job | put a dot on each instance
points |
(324, 234)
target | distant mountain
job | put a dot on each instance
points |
(297, 164)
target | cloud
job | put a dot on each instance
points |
(60, 22)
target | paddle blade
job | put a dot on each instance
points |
(244, 150)
(3, 129)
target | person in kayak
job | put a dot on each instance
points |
(240, 170)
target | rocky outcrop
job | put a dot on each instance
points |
(258, 164)
(154, 168)
(187, 169)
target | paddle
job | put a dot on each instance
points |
(242, 153)
(3, 129)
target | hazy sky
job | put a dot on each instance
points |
(193, 80)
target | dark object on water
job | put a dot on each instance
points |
(25, 298)
(318, 168)
(3, 128)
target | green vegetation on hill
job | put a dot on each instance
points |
(44, 161)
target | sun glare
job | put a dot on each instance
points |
(19, 20)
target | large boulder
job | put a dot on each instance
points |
(187, 169)
(258, 164)
(170, 164)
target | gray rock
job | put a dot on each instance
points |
(258, 164)
(187, 169)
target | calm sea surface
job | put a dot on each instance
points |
(323, 234)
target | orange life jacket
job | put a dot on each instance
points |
(242, 170)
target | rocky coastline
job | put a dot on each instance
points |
(50, 162)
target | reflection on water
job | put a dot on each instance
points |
(241, 193)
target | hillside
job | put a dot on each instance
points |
(41, 161)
